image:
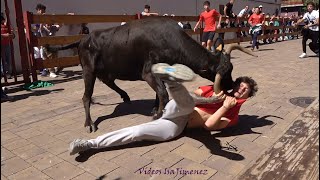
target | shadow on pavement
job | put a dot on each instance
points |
(14, 98)
(142, 107)
(210, 141)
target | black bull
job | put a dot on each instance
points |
(127, 53)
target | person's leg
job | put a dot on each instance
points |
(210, 40)
(304, 43)
(254, 39)
(170, 125)
(314, 46)
(8, 60)
(204, 39)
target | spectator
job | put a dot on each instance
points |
(250, 12)
(123, 23)
(311, 30)
(229, 13)
(187, 25)
(260, 8)
(42, 30)
(6, 37)
(256, 21)
(146, 11)
(209, 17)
(242, 14)
(267, 31)
(84, 29)
(276, 23)
(179, 23)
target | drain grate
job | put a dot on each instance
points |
(302, 101)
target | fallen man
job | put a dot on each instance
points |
(202, 108)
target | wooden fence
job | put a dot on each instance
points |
(37, 64)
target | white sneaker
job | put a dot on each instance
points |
(303, 55)
(53, 75)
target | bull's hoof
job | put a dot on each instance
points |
(88, 129)
(154, 110)
(94, 127)
(156, 116)
(126, 100)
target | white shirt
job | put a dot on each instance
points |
(242, 12)
(311, 17)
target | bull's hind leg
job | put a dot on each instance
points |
(116, 88)
(89, 80)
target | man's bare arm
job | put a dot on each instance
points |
(198, 99)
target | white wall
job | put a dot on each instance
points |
(177, 7)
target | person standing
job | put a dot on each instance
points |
(208, 16)
(310, 30)
(6, 37)
(256, 21)
(228, 12)
(146, 11)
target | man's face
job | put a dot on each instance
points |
(231, 1)
(310, 8)
(206, 7)
(247, 7)
(242, 91)
(40, 11)
(146, 10)
(257, 10)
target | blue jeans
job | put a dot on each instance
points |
(6, 49)
(255, 39)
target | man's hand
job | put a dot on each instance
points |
(195, 29)
(229, 102)
(218, 26)
(219, 97)
(216, 98)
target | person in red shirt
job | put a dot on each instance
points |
(208, 16)
(256, 21)
(201, 109)
(6, 37)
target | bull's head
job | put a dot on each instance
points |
(223, 79)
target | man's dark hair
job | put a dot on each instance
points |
(41, 7)
(311, 3)
(206, 3)
(146, 6)
(248, 80)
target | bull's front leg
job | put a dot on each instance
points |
(163, 98)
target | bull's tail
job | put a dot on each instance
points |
(58, 48)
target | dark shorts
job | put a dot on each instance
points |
(208, 36)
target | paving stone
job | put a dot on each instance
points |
(125, 174)
(63, 170)
(56, 147)
(71, 159)
(7, 136)
(5, 154)
(13, 165)
(15, 144)
(29, 173)
(84, 176)
(44, 161)
(221, 175)
(29, 133)
(98, 167)
(28, 151)
(192, 153)
(7, 126)
(42, 140)
(131, 161)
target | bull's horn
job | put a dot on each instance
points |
(236, 46)
(217, 84)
